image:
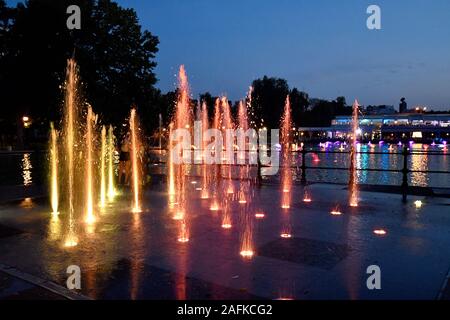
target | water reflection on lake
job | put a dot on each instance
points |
(29, 168)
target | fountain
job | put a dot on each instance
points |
(216, 178)
(103, 169)
(205, 168)
(54, 170)
(71, 102)
(111, 188)
(182, 120)
(353, 150)
(90, 217)
(171, 173)
(135, 163)
(244, 195)
(227, 124)
(286, 178)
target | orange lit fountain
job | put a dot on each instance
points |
(227, 125)
(244, 195)
(286, 178)
(286, 137)
(216, 178)
(206, 170)
(182, 119)
(135, 163)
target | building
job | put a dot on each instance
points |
(415, 126)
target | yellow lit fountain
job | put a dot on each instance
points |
(103, 155)
(54, 170)
(111, 187)
(90, 216)
(71, 102)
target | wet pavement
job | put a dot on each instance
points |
(137, 256)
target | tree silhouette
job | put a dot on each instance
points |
(268, 97)
(115, 56)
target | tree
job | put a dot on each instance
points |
(299, 105)
(268, 97)
(115, 56)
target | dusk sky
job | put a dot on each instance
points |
(322, 47)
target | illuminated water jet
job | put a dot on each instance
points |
(286, 138)
(182, 120)
(111, 149)
(227, 124)
(184, 233)
(54, 170)
(103, 154)
(70, 135)
(135, 148)
(171, 174)
(353, 174)
(205, 168)
(90, 217)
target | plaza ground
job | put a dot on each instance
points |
(137, 256)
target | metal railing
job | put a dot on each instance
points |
(405, 170)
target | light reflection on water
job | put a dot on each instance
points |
(391, 158)
(27, 168)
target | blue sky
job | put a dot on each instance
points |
(322, 47)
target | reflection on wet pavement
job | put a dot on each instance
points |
(138, 256)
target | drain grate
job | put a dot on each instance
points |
(321, 254)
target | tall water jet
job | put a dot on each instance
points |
(70, 134)
(135, 168)
(90, 217)
(244, 196)
(54, 170)
(205, 168)
(171, 174)
(182, 120)
(227, 125)
(286, 138)
(111, 187)
(353, 150)
(243, 168)
(216, 176)
(103, 154)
